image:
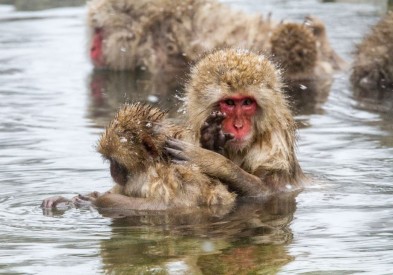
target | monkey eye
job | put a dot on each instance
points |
(229, 102)
(248, 101)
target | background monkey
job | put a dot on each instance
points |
(372, 69)
(167, 35)
(240, 118)
(144, 179)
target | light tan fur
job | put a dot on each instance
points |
(270, 155)
(135, 140)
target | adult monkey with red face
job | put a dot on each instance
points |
(242, 124)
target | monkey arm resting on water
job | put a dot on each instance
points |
(103, 201)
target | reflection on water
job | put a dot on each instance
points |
(250, 238)
(34, 5)
(53, 107)
(109, 90)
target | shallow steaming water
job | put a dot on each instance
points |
(53, 108)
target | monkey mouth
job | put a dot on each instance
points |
(238, 144)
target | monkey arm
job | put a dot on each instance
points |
(122, 202)
(62, 202)
(57, 201)
(217, 166)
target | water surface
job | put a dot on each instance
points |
(53, 108)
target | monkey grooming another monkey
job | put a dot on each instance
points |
(144, 179)
(243, 131)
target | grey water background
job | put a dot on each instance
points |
(53, 108)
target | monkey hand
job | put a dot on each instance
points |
(176, 151)
(181, 152)
(85, 200)
(56, 202)
(217, 166)
(212, 136)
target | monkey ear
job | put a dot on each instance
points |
(149, 145)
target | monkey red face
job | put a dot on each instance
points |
(96, 48)
(239, 111)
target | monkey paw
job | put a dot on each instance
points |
(56, 202)
(177, 151)
(212, 136)
(85, 200)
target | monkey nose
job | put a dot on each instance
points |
(238, 124)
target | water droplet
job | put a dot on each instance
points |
(303, 87)
(123, 50)
(152, 98)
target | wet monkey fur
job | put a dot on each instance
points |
(144, 178)
(243, 130)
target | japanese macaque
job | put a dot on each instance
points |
(307, 61)
(167, 35)
(243, 131)
(144, 178)
(372, 69)
(303, 50)
(161, 35)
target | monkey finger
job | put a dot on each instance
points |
(214, 118)
(175, 144)
(221, 140)
(176, 154)
(207, 140)
(179, 162)
(83, 201)
(54, 201)
(228, 137)
(220, 117)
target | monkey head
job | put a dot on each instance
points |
(113, 38)
(130, 35)
(246, 87)
(294, 47)
(133, 140)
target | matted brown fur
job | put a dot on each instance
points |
(135, 140)
(372, 69)
(272, 150)
(294, 47)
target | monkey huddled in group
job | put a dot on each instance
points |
(240, 135)
(372, 69)
(167, 35)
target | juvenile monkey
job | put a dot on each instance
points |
(144, 178)
(243, 131)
